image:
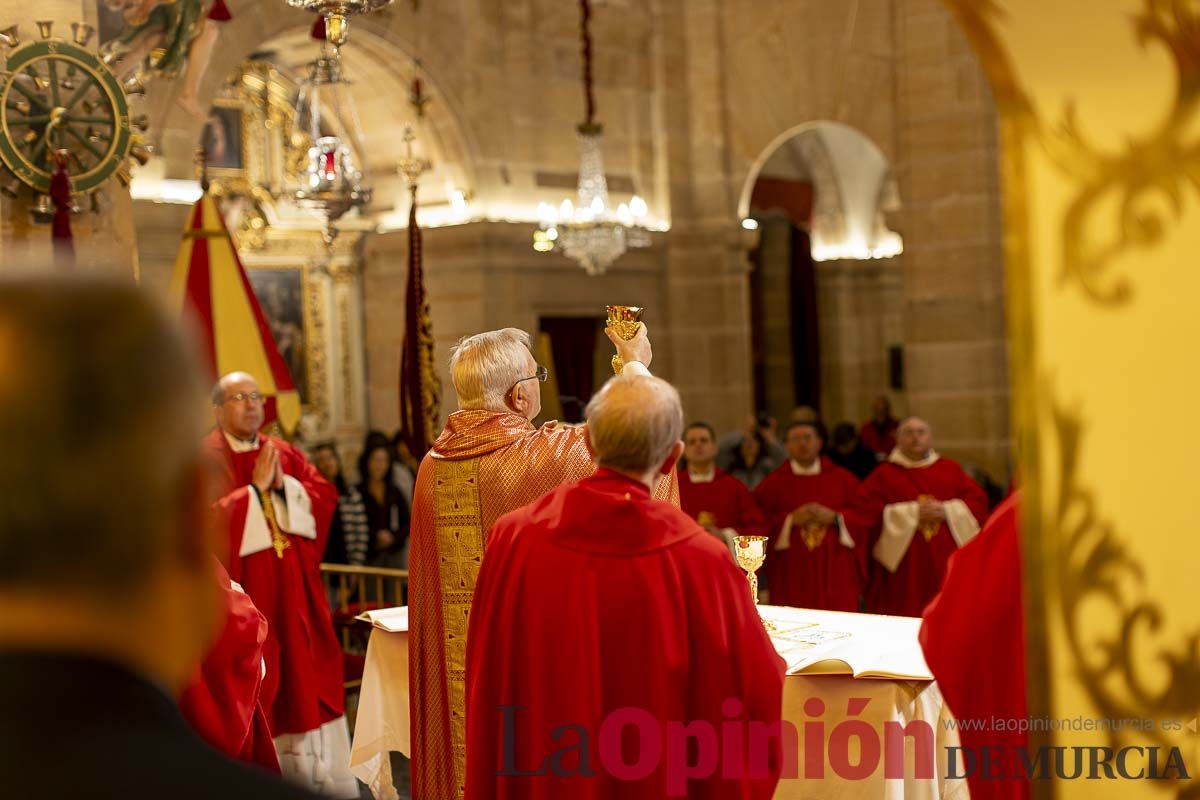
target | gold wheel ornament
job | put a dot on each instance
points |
(59, 97)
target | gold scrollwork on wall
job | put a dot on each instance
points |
(1147, 178)
(1095, 569)
(1083, 573)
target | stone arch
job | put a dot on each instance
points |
(853, 187)
(377, 41)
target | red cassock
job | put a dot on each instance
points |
(222, 703)
(303, 686)
(595, 598)
(725, 498)
(918, 576)
(973, 636)
(817, 570)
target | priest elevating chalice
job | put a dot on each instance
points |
(625, 321)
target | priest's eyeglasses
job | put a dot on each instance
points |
(240, 397)
(541, 374)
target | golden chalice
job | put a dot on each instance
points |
(625, 320)
(751, 552)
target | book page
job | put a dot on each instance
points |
(837, 643)
(392, 620)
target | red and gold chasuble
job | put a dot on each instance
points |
(483, 465)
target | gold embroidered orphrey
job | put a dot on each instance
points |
(813, 534)
(278, 540)
(929, 529)
(459, 526)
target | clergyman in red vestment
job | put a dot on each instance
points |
(277, 510)
(488, 461)
(616, 610)
(973, 636)
(914, 511)
(222, 703)
(812, 560)
(718, 501)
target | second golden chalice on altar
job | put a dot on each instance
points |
(751, 552)
(625, 320)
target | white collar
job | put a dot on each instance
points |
(896, 457)
(798, 469)
(239, 446)
(702, 477)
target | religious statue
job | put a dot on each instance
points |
(169, 38)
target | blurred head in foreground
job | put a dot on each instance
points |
(104, 549)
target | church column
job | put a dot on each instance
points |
(954, 330)
(347, 397)
(707, 336)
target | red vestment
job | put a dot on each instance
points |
(725, 498)
(973, 636)
(303, 687)
(880, 439)
(483, 465)
(222, 703)
(918, 576)
(597, 598)
(817, 570)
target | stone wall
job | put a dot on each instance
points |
(484, 276)
(902, 73)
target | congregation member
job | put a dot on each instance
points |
(108, 596)
(761, 426)
(848, 452)
(403, 475)
(717, 501)
(913, 512)
(976, 626)
(385, 506)
(276, 508)
(812, 560)
(488, 460)
(602, 598)
(878, 434)
(349, 535)
(751, 462)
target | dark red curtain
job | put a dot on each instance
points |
(573, 340)
(806, 351)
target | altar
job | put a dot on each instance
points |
(894, 693)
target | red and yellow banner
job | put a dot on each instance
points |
(211, 289)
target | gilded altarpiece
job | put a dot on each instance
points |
(1101, 161)
(273, 234)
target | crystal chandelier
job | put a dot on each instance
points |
(329, 181)
(337, 15)
(590, 230)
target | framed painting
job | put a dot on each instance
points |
(282, 293)
(222, 139)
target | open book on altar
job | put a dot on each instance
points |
(838, 643)
(392, 620)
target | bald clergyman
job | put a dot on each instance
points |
(914, 511)
(276, 509)
(602, 601)
(489, 460)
